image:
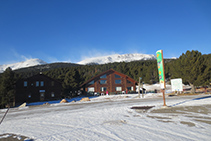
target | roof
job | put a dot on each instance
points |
(105, 72)
(43, 75)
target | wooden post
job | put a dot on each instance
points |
(164, 99)
(4, 115)
(161, 73)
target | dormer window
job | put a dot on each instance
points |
(103, 76)
(92, 82)
(117, 76)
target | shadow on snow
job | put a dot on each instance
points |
(58, 101)
(200, 98)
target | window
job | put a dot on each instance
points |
(129, 82)
(91, 89)
(118, 81)
(92, 82)
(130, 88)
(37, 83)
(25, 83)
(118, 88)
(103, 89)
(42, 83)
(103, 81)
(103, 76)
(117, 76)
(52, 94)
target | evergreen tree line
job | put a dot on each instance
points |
(7, 88)
(193, 67)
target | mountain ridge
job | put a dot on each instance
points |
(23, 64)
(117, 58)
(94, 60)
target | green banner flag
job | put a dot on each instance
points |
(161, 71)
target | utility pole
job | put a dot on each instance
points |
(142, 89)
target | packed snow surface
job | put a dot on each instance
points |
(111, 118)
(24, 64)
(117, 58)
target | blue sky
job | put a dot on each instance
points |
(71, 30)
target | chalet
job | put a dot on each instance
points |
(37, 88)
(111, 82)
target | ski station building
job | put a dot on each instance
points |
(109, 82)
(37, 88)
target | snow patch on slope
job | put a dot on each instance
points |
(24, 64)
(117, 58)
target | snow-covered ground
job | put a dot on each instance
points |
(111, 118)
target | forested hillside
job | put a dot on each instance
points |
(193, 67)
(30, 71)
(145, 69)
(191, 64)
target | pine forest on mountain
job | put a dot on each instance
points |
(193, 67)
(192, 62)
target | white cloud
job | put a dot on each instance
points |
(95, 53)
(19, 56)
(11, 56)
(53, 60)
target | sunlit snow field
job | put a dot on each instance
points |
(111, 118)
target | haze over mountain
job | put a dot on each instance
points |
(117, 58)
(95, 60)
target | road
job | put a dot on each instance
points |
(74, 107)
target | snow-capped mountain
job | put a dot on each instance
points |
(24, 64)
(96, 60)
(117, 58)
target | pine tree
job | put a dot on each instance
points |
(190, 67)
(7, 90)
(71, 81)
